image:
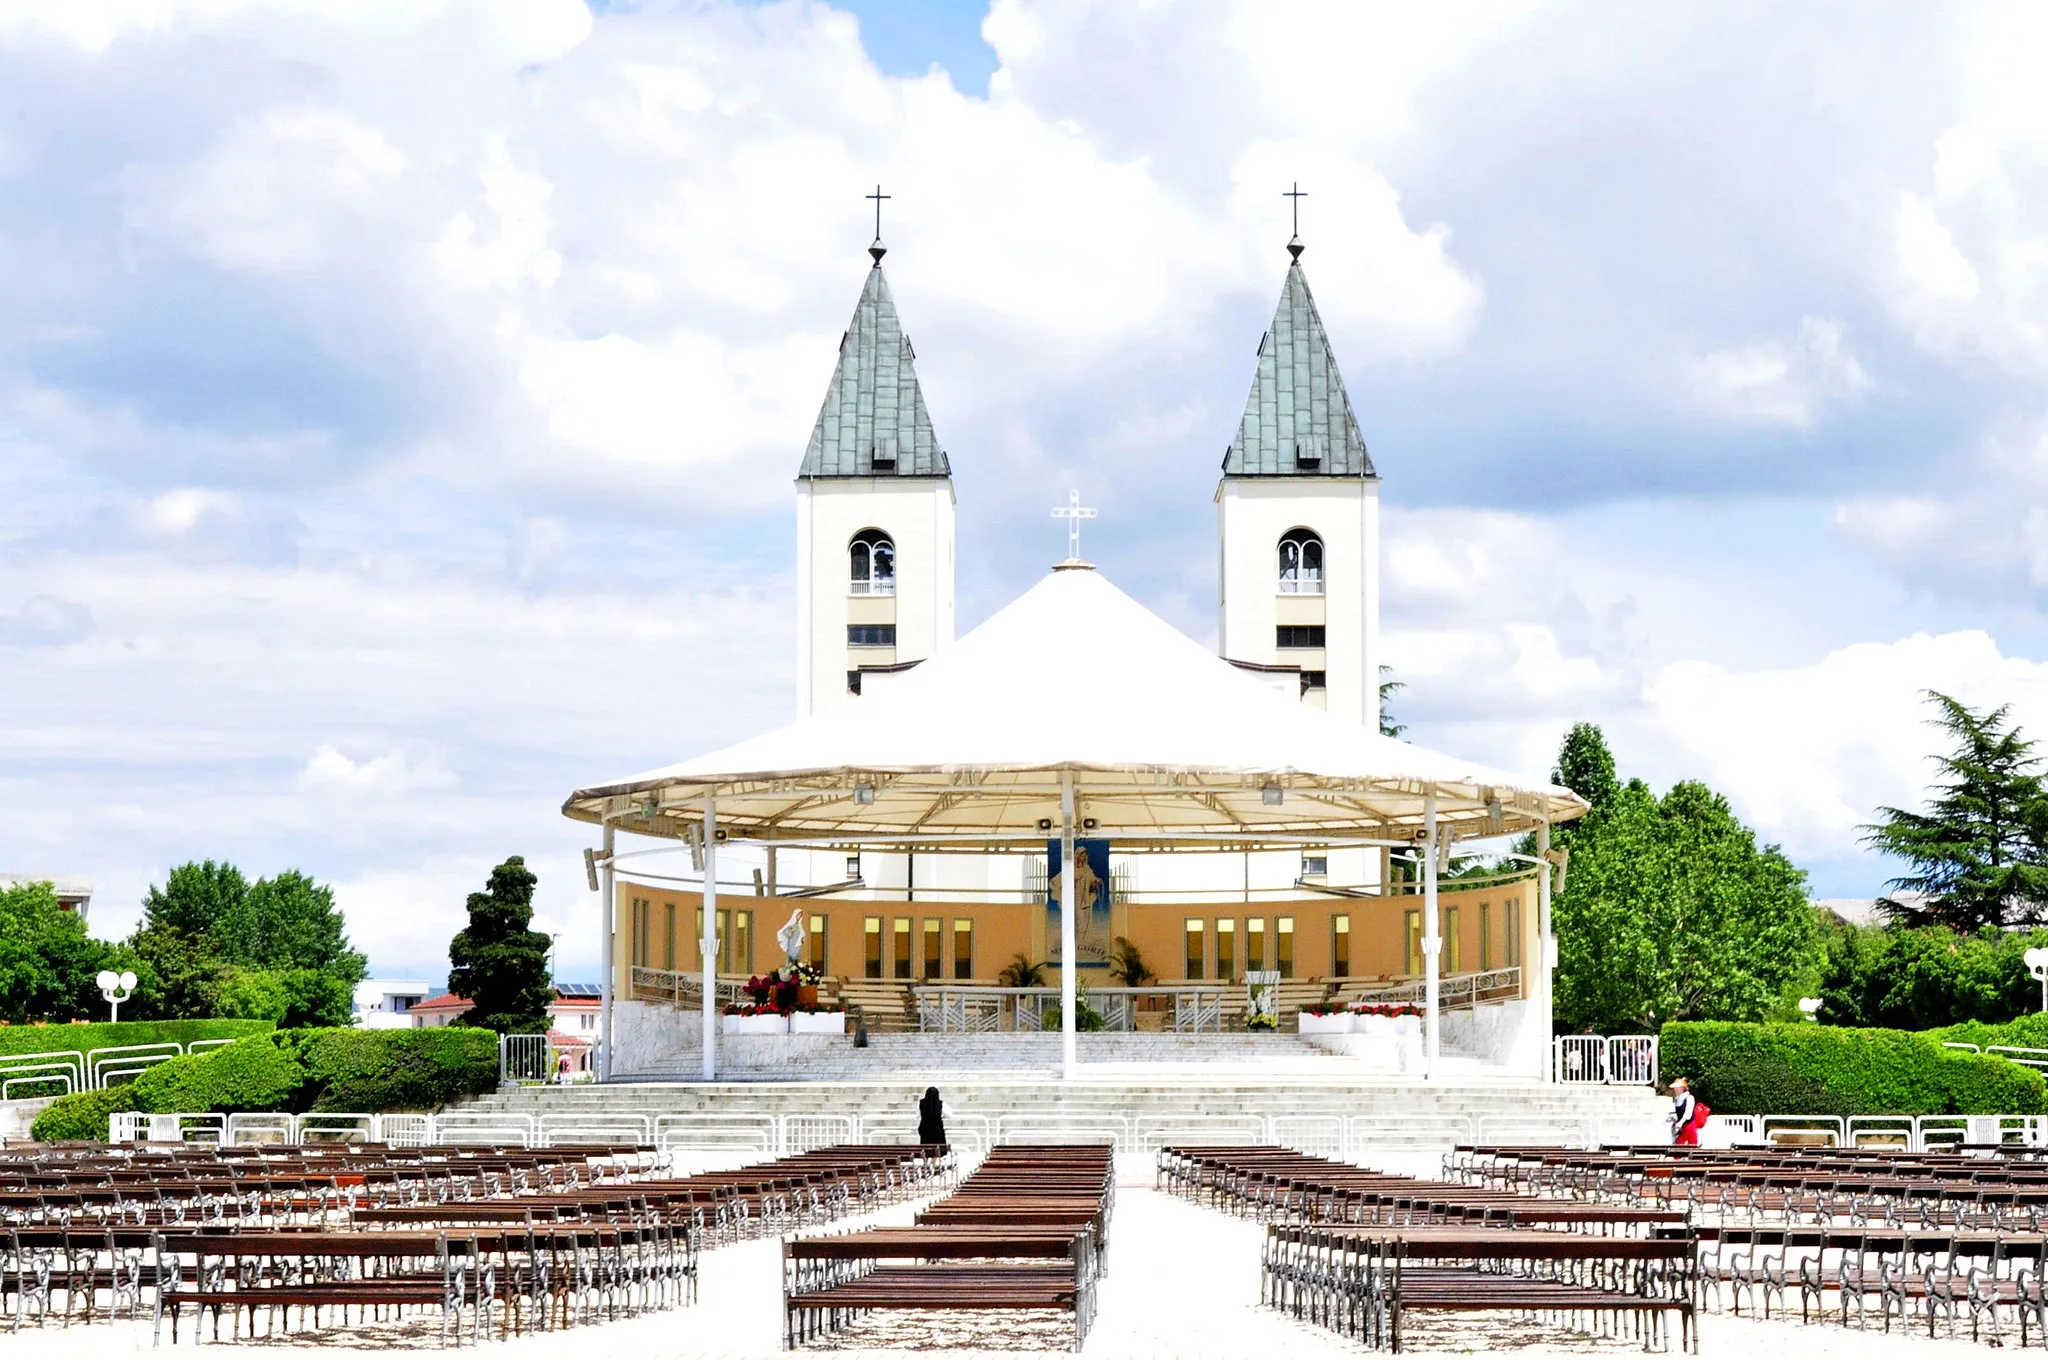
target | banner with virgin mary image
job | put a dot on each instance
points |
(1091, 890)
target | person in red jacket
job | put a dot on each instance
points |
(1688, 1116)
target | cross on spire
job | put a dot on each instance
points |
(1296, 194)
(878, 250)
(1073, 512)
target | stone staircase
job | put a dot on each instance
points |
(1140, 1105)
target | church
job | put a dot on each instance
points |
(893, 925)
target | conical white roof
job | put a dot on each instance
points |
(1165, 741)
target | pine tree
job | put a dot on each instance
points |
(1980, 851)
(499, 964)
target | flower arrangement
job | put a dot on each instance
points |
(1263, 1022)
(753, 1008)
(1394, 1009)
(821, 1008)
(1319, 1010)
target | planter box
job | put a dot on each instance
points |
(754, 1024)
(1380, 1026)
(1323, 1024)
(818, 1022)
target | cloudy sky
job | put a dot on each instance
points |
(399, 398)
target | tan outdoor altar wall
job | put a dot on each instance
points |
(1485, 927)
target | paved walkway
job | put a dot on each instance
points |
(1184, 1286)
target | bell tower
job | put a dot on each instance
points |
(874, 514)
(1298, 521)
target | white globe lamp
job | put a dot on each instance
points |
(2037, 964)
(116, 988)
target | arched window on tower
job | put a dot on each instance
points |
(872, 557)
(1301, 563)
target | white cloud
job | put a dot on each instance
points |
(1780, 382)
(394, 772)
(1810, 752)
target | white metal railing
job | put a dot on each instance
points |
(90, 1069)
(874, 585)
(1454, 991)
(946, 1008)
(1604, 1060)
(681, 987)
(1301, 585)
(544, 1057)
(2029, 1057)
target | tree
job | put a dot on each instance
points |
(1980, 852)
(213, 944)
(1923, 978)
(1389, 687)
(499, 964)
(1586, 766)
(286, 923)
(48, 964)
(194, 898)
(1671, 910)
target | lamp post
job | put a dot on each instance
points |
(2037, 964)
(116, 988)
(1809, 1006)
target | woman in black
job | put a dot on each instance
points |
(931, 1119)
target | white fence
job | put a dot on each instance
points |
(67, 1070)
(1904, 1132)
(1604, 1060)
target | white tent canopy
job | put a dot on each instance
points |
(1163, 740)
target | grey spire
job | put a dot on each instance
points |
(1298, 419)
(873, 422)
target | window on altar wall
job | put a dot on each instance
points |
(668, 936)
(871, 946)
(1283, 945)
(1340, 946)
(1454, 943)
(934, 961)
(816, 953)
(1411, 942)
(1512, 956)
(1226, 950)
(1485, 936)
(963, 948)
(900, 955)
(1196, 953)
(1255, 944)
(637, 925)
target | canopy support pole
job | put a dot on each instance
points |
(1544, 961)
(607, 922)
(1432, 943)
(1070, 1059)
(709, 944)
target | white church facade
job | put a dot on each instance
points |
(1298, 601)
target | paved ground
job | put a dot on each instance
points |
(1184, 1285)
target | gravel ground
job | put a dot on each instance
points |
(1184, 1285)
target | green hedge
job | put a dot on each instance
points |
(84, 1038)
(1825, 1069)
(393, 1069)
(82, 1117)
(249, 1074)
(370, 1071)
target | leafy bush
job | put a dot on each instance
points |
(82, 1117)
(368, 1071)
(394, 1069)
(1824, 1069)
(249, 1074)
(1920, 977)
(85, 1038)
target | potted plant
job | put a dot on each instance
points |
(1377, 1020)
(750, 1018)
(1324, 1020)
(808, 979)
(827, 1019)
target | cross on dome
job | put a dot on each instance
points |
(1073, 512)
